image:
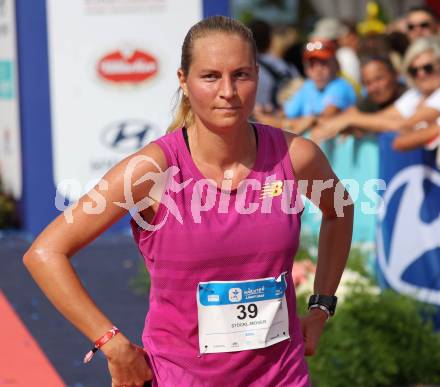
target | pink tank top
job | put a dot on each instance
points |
(220, 244)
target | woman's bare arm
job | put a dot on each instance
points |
(385, 120)
(330, 111)
(293, 125)
(423, 114)
(311, 167)
(416, 139)
(48, 258)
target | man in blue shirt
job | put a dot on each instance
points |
(323, 93)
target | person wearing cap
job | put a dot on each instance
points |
(345, 37)
(323, 93)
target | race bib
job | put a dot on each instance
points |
(236, 316)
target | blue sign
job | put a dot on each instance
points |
(408, 236)
(226, 292)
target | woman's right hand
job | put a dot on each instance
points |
(126, 363)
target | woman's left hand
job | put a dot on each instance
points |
(312, 325)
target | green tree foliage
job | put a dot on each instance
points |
(377, 341)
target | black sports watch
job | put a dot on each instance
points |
(326, 303)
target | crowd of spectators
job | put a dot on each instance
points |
(350, 83)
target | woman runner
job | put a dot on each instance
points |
(218, 226)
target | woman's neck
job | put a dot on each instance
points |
(222, 149)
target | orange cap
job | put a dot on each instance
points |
(319, 49)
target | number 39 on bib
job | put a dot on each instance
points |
(236, 316)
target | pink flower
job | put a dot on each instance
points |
(302, 270)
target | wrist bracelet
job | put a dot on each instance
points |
(328, 302)
(100, 342)
(322, 307)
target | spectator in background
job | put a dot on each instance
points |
(274, 72)
(421, 21)
(381, 82)
(418, 106)
(323, 94)
(382, 86)
(345, 37)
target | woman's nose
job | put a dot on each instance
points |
(227, 88)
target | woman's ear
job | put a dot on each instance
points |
(182, 81)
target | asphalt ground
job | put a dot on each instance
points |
(108, 268)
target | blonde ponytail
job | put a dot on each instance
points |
(183, 115)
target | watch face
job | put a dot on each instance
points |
(328, 301)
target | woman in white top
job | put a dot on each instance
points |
(416, 108)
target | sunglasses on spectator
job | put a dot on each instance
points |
(427, 69)
(423, 25)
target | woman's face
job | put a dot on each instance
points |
(380, 82)
(222, 81)
(425, 72)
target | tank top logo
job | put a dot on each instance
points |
(272, 189)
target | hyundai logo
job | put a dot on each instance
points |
(127, 136)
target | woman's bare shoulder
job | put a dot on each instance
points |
(300, 148)
(150, 156)
(308, 160)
